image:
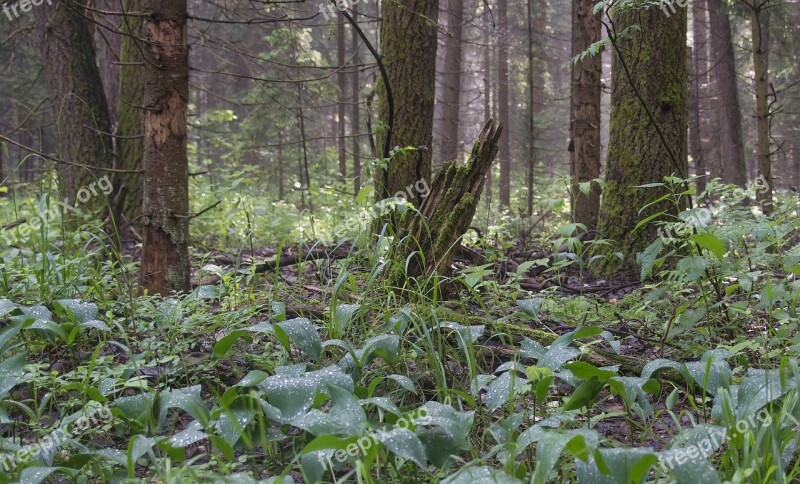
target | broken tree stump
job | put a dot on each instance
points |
(432, 236)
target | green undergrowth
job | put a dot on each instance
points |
(320, 373)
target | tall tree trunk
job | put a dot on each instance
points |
(532, 87)
(503, 103)
(759, 21)
(130, 118)
(341, 83)
(697, 78)
(78, 102)
(729, 119)
(408, 47)
(165, 221)
(648, 125)
(585, 115)
(355, 90)
(452, 81)
(487, 85)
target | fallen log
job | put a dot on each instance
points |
(284, 261)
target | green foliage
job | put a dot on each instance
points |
(230, 382)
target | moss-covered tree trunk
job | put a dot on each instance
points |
(408, 48)
(585, 115)
(165, 213)
(130, 118)
(648, 127)
(79, 104)
(434, 235)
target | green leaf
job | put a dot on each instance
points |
(711, 243)
(646, 221)
(404, 443)
(584, 371)
(138, 446)
(550, 446)
(303, 333)
(584, 395)
(224, 345)
(481, 475)
(503, 389)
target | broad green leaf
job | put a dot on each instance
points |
(404, 443)
(584, 395)
(222, 346)
(549, 448)
(503, 389)
(187, 399)
(481, 475)
(711, 243)
(304, 334)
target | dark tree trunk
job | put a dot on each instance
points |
(697, 78)
(532, 89)
(165, 221)
(452, 81)
(729, 116)
(643, 150)
(503, 103)
(130, 118)
(759, 21)
(78, 102)
(408, 46)
(341, 83)
(355, 90)
(585, 115)
(487, 85)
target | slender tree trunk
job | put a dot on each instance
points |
(585, 115)
(731, 146)
(341, 83)
(130, 118)
(487, 86)
(355, 90)
(649, 81)
(78, 102)
(760, 29)
(697, 83)
(452, 81)
(3, 182)
(408, 46)
(165, 221)
(531, 114)
(281, 194)
(503, 103)
(305, 178)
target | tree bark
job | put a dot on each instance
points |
(130, 117)
(759, 21)
(78, 101)
(648, 139)
(503, 103)
(408, 46)
(452, 81)
(446, 214)
(731, 147)
(165, 221)
(697, 83)
(341, 83)
(585, 115)
(487, 84)
(355, 90)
